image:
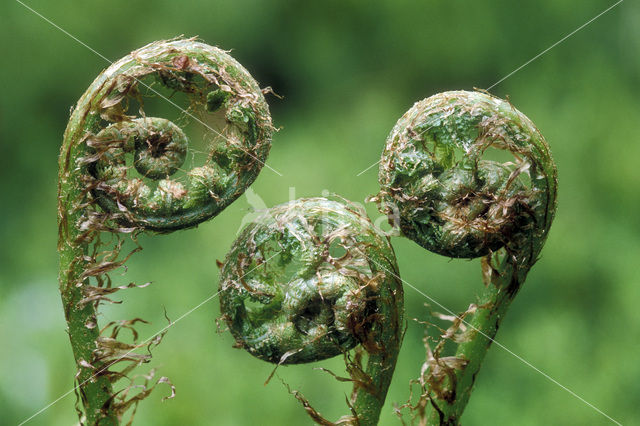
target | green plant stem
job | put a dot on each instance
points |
(493, 304)
(95, 392)
(381, 365)
(380, 368)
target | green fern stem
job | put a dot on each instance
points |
(95, 390)
(313, 279)
(122, 172)
(467, 175)
(447, 407)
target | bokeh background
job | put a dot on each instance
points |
(346, 70)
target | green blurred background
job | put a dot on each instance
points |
(347, 70)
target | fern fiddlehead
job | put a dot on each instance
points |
(124, 174)
(469, 176)
(308, 280)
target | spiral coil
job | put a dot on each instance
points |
(468, 174)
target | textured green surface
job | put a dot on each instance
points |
(452, 197)
(233, 159)
(311, 279)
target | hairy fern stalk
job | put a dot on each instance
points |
(122, 172)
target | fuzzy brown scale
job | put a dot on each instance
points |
(312, 279)
(122, 172)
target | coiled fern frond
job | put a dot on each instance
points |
(312, 279)
(467, 175)
(123, 171)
